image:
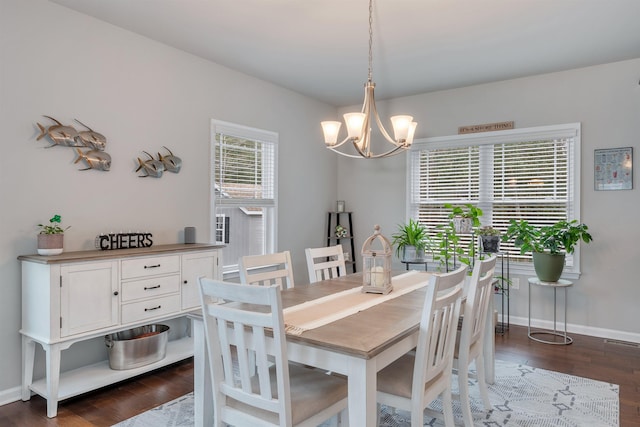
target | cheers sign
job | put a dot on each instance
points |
(124, 241)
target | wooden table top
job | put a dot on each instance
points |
(366, 333)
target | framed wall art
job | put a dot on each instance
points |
(613, 168)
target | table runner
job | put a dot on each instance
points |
(321, 311)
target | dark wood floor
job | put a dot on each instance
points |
(586, 357)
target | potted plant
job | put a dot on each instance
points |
(548, 245)
(51, 236)
(410, 241)
(465, 217)
(489, 239)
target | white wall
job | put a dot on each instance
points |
(606, 100)
(141, 95)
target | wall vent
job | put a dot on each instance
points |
(620, 342)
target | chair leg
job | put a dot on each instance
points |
(465, 404)
(482, 383)
(447, 409)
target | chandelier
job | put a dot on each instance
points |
(359, 124)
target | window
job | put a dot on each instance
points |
(243, 190)
(530, 174)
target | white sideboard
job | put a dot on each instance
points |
(78, 296)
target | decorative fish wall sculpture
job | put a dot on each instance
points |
(67, 136)
(59, 134)
(95, 159)
(171, 163)
(153, 168)
(90, 138)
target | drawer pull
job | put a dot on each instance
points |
(148, 288)
(151, 266)
(151, 309)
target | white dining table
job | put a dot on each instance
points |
(357, 346)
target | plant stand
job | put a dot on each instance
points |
(333, 220)
(502, 289)
(560, 284)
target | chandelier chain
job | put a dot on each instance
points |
(370, 40)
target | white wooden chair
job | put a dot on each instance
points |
(280, 394)
(417, 378)
(325, 263)
(267, 269)
(469, 347)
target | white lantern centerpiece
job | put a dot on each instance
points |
(376, 264)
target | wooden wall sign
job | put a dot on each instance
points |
(487, 127)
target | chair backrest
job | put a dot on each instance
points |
(476, 305)
(325, 263)
(438, 327)
(238, 332)
(268, 269)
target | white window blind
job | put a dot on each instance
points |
(530, 174)
(244, 166)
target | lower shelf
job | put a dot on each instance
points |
(92, 377)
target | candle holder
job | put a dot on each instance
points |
(376, 264)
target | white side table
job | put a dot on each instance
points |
(560, 284)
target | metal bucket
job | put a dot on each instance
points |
(137, 347)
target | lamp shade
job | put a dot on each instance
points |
(401, 125)
(354, 123)
(330, 130)
(412, 132)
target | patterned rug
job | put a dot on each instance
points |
(522, 396)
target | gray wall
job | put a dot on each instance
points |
(606, 100)
(141, 95)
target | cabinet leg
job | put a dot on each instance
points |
(28, 358)
(53, 378)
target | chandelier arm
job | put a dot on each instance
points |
(378, 121)
(347, 139)
(392, 152)
(353, 156)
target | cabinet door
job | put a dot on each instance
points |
(88, 297)
(195, 265)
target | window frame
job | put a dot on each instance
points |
(562, 131)
(230, 271)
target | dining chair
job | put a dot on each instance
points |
(416, 379)
(469, 346)
(267, 269)
(280, 394)
(325, 263)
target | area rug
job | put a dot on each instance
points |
(522, 396)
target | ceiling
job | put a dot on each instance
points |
(320, 47)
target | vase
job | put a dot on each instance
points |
(490, 244)
(462, 225)
(50, 244)
(411, 253)
(548, 267)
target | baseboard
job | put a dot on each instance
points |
(10, 395)
(578, 329)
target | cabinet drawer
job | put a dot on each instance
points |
(142, 267)
(136, 311)
(146, 288)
